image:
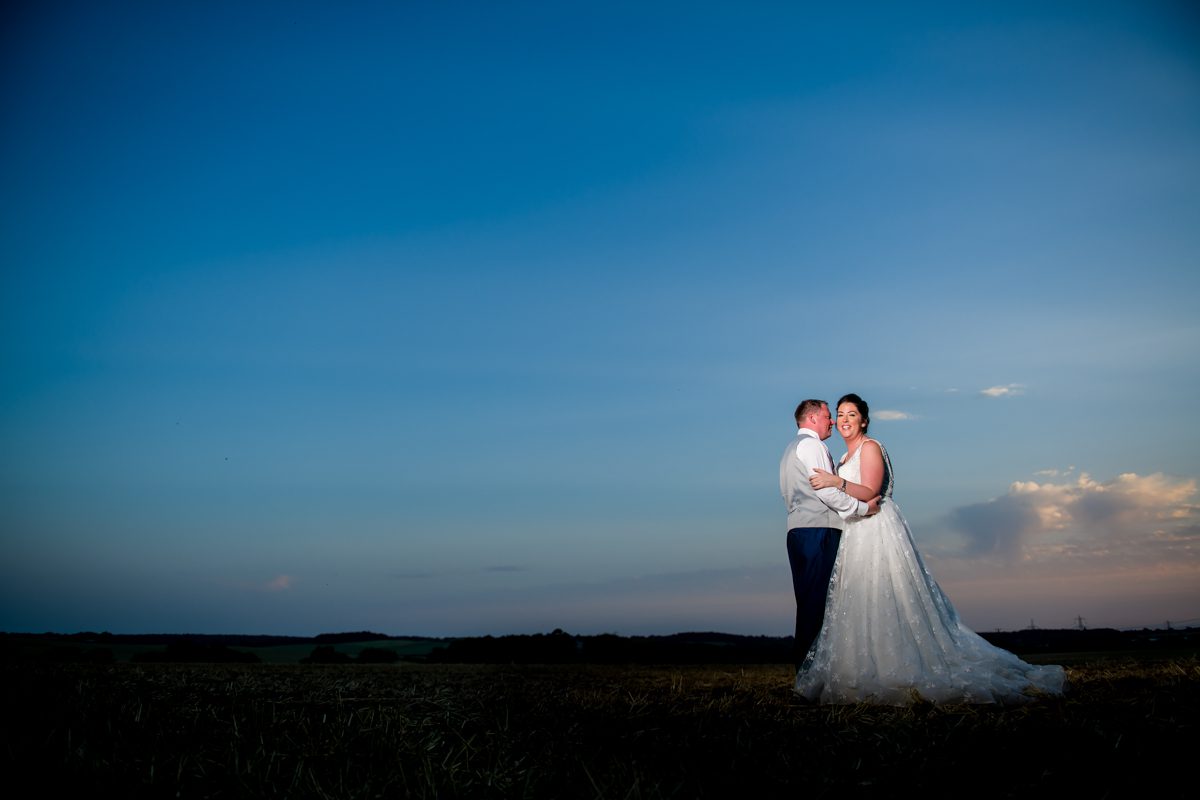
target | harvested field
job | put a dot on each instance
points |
(410, 730)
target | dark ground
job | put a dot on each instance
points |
(1127, 727)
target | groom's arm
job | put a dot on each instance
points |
(812, 455)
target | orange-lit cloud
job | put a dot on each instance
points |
(279, 583)
(1122, 552)
(1131, 520)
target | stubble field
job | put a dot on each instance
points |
(411, 730)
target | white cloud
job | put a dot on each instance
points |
(1008, 390)
(889, 416)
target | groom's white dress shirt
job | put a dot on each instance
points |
(808, 507)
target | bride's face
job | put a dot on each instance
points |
(849, 421)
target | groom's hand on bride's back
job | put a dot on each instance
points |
(873, 505)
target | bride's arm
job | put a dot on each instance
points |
(871, 474)
(820, 479)
(870, 467)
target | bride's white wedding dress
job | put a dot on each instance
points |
(890, 635)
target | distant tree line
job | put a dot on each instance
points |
(1039, 640)
(560, 647)
(355, 636)
(557, 647)
(187, 651)
(327, 654)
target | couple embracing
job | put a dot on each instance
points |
(872, 625)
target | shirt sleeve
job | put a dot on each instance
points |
(813, 455)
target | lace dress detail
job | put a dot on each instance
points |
(890, 634)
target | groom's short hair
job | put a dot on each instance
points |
(808, 407)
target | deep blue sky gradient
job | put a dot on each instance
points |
(489, 318)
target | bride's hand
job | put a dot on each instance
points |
(820, 479)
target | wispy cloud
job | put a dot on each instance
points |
(888, 415)
(1007, 390)
(279, 583)
(1054, 472)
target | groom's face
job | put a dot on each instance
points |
(822, 422)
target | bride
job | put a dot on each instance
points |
(890, 635)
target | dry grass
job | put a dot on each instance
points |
(580, 731)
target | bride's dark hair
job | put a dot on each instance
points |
(864, 410)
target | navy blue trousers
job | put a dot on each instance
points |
(811, 552)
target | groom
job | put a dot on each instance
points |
(814, 519)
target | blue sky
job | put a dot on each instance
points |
(478, 318)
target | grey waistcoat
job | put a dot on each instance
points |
(805, 509)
